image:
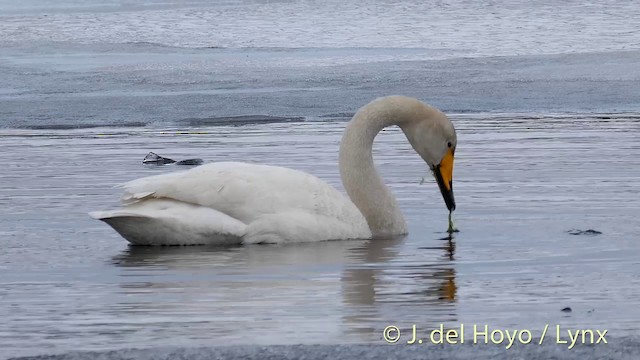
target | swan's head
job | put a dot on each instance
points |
(433, 137)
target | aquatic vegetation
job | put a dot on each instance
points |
(452, 228)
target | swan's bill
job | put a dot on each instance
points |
(444, 176)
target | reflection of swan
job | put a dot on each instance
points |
(387, 289)
(348, 289)
(230, 202)
(262, 259)
(431, 281)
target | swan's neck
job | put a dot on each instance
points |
(362, 182)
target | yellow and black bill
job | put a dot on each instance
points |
(443, 173)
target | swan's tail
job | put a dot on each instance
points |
(170, 222)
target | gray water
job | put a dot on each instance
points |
(69, 282)
(544, 98)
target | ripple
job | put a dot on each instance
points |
(521, 181)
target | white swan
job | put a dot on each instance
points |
(231, 202)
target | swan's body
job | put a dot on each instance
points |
(231, 202)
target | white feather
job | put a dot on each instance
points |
(254, 203)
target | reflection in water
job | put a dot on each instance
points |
(381, 289)
(512, 257)
(167, 257)
(359, 283)
(448, 289)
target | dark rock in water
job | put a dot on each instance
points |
(567, 309)
(190, 162)
(155, 159)
(584, 232)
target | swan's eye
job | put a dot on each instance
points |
(449, 144)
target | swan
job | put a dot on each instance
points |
(225, 203)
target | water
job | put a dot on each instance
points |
(467, 27)
(70, 282)
(543, 95)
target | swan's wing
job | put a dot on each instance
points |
(171, 222)
(246, 191)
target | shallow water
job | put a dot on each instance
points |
(69, 282)
(89, 63)
(544, 96)
(459, 27)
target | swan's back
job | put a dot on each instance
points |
(245, 191)
(275, 204)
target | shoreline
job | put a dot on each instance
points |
(617, 348)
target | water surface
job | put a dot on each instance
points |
(544, 96)
(69, 282)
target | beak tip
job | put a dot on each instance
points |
(451, 205)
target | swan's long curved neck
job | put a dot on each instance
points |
(360, 178)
